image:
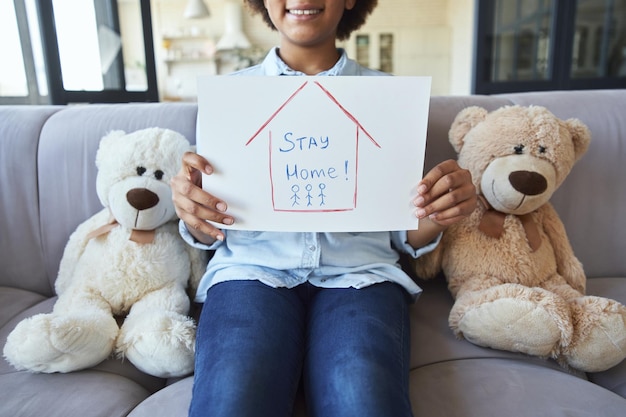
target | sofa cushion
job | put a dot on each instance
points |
(613, 379)
(171, 401)
(88, 393)
(13, 301)
(506, 387)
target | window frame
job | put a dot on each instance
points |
(56, 92)
(560, 60)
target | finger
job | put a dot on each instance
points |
(183, 187)
(196, 216)
(434, 176)
(448, 221)
(451, 203)
(457, 183)
(202, 229)
(199, 227)
(192, 162)
(455, 213)
(197, 203)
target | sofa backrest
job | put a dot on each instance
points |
(47, 174)
(22, 262)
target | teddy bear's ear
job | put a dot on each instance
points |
(463, 123)
(581, 136)
(112, 135)
(104, 144)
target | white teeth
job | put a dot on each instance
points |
(304, 12)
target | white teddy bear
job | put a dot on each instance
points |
(124, 275)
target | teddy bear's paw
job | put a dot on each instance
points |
(514, 318)
(599, 341)
(28, 346)
(159, 344)
(84, 335)
(48, 343)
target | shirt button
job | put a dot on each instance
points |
(312, 248)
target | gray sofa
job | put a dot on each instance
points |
(47, 187)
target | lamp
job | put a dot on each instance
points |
(196, 9)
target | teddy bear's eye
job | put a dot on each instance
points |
(141, 171)
(519, 149)
(158, 174)
(542, 149)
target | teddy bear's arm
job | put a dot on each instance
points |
(567, 264)
(428, 265)
(199, 259)
(75, 247)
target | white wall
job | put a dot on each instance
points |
(435, 39)
(461, 16)
(422, 38)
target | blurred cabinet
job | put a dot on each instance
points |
(185, 56)
(183, 50)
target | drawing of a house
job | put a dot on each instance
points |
(313, 152)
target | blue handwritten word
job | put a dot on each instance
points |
(303, 142)
(293, 172)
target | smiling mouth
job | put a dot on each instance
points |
(493, 192)
(163, 213)
(307, 12)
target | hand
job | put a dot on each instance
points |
(446, 194)
(195, 206)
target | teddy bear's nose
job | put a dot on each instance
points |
(141, 198)
(528, 182)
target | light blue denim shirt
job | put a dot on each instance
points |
(330, 260)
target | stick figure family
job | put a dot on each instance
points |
(295, 198)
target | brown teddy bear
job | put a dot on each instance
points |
(516, 281)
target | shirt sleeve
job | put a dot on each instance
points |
(400, 242)
(188, 237)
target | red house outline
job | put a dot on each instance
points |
(350, 116)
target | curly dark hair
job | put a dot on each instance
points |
(351, 20)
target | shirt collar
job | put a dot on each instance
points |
(274, 65)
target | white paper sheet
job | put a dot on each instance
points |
(314, 153)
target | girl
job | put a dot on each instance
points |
(325, 310)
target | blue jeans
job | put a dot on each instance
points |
(349, 347)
